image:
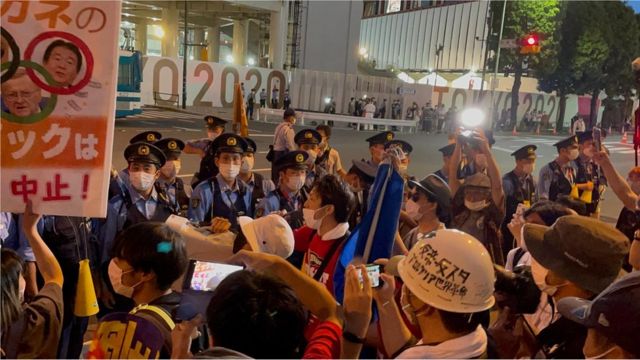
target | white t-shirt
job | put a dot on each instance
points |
(470, 346)
(369, 110)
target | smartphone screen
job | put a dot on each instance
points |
(373, 272)
(206, 276)
(597, 139)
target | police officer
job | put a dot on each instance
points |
(223, 195)
(289, 197)
(119, 179)
(140, 201)
(283, 141)
(169, 182)
(309, 140)
(258, 185)
(406, 149)
(203, 147)
(519, 188)
(360, 177)
(443, 172)
(587, 178)
(558, 176)
(376, 146)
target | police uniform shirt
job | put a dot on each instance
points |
(546, 177)
(170, 190)
(202, 198)
(284, 138)
(271, 202)
(117, 216)
(511, 189)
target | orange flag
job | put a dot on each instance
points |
(240, 122)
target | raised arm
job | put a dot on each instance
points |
(617, 183)
(46, 261)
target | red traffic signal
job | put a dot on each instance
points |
(530, 44)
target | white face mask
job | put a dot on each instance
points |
(573, 154)
(229, 171)
(170, 169)
(528, 168)
(295, 183)
(247, 164)
(539, 274)
(476, 205)
(310, 220)
(141, 181)
(413, 210)
(115, 275)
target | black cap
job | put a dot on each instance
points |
(145, 152)
(381, 138)
(584, 136)
(289, 112)
(435, 187)
(405, 146)
(296, 159)
(148, 136)
(489, 135)
(366, 171)
(447, 150)
(307, 136)
(565, 143)
(525, 152)
(214, 121)
(230, 143)
(251, 145)
(171, 147)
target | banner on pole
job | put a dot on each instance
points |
(59, 77)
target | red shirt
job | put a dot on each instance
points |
(324, 343)
(316, 250)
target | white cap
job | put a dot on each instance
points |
(451, 271)
(269, 234)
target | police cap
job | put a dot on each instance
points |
(147, 136)
(447, 150)
(230, 143)
(145, 152)
(296, 159)
(213, 122)
(307, 136)
(171, 147)
(525, 152)
(251, 145)
(568, 142)
(381, 138)
(366, 171)
(405, 146)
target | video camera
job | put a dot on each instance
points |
(516, 289)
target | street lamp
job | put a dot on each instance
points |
(158, 31)
(363, 51)
(229, 59)
(251, 61)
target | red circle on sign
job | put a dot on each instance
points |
(75, 40)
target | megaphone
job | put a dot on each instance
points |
(86, 303)
(574, 192)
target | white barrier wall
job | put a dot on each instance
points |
(211, 85)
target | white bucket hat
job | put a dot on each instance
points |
(269, 234)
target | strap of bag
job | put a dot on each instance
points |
(328, 256)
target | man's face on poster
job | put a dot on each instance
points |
(21, 96)
(62, 65)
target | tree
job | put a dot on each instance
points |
(521, 18)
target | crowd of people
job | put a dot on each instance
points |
(484, 264)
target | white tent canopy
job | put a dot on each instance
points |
(433, 79)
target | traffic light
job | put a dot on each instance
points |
(530, 44)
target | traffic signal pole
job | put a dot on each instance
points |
(495, 72)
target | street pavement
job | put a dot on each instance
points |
(352, 145)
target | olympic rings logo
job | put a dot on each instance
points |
(49, 84)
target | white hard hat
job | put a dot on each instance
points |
(269, 234)
(451, 271)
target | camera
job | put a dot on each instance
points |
(516, 289)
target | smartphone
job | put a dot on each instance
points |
(373, 272)
(597, 139)
(206, 276)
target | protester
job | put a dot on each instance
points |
(223, 195)
(558, 176)
(147, 259)
(33, 330)
(326, 214)
(283, 141)
(430, 205)
(270, 311)
(612, 319)
(577, 256)
(329, 158)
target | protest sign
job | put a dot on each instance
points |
(59, 76)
